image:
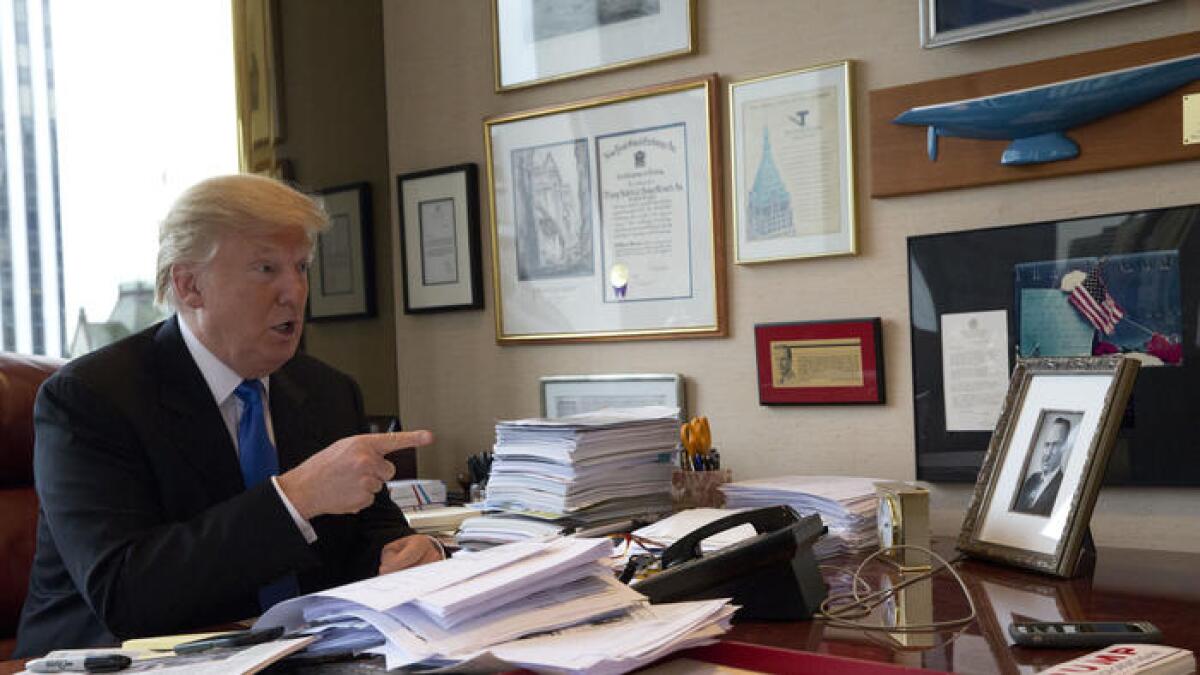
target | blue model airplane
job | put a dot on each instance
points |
(1036, 118)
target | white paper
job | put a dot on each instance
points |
(974, 368)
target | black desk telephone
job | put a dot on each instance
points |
(773, 575)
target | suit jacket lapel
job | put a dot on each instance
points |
(294, 438)
(190, 416)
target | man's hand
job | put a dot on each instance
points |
(410, 551)
(344, 477)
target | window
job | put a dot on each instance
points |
(113, 124)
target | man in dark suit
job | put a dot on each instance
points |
(199, 471)
(1039, 490)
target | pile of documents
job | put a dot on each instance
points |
(482, 532)
(846, 505)
(474, 609)
(417, 493)
(583, 470)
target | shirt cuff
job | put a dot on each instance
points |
(306, 529)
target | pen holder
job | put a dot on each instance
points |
(696, 489)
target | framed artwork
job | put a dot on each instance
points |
(819, 362)
(341, 279)
(792, 153)
(1110, 284)
(606, 217)
(537, 41)
(564, 395)
(945, 22)
(1038, 483)
(439, 239)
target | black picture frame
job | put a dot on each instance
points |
(428, 202)
(342, 274)
(973, 271)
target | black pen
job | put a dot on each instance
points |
(239, 639)
(100, 663)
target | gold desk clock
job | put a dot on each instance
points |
(902, 519)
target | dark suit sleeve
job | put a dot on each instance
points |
(379, 523)
(140, 570)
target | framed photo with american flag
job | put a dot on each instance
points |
(1116, 284)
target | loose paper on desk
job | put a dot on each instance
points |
(243, 661)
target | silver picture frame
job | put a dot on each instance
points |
(1086, 398)
(563, 395)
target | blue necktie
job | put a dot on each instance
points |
(259, 462)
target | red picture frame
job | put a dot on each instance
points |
(820, 362)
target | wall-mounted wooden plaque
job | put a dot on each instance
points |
(1146, 134)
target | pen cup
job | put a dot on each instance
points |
(696, 489)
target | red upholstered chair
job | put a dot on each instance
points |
(20, 377)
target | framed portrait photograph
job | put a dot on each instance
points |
(820, 362)
(572, 394)
(606, 217)
(1033, 501)
(537, 41)
(341, 279)
(945, 22)
(439, 239)
(792, 153)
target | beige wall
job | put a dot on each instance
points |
(456, 380)
(334, 131)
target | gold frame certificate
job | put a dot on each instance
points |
(606, 218)
(793, 164)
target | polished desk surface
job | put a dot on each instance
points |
(1157, 586)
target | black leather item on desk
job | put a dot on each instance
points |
(773, 576)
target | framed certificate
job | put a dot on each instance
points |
(606, 217)
(439, 239)
(341, 278)
(814, 362)
(792, 147)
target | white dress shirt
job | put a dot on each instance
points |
(222, 380)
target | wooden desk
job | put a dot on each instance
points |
(1160, 587)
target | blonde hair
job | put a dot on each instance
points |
(240, 204)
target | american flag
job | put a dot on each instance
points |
(1092, 300)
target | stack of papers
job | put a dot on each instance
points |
(417, 493)
(474, 607)
(486, 531)
(585, 469)
(846, 505)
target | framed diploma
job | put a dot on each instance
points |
(793, 164)
(606, 217)
(439, 239)
(537, 41)
(341, 278)
(819, 362)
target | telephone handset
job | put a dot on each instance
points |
(772, 575)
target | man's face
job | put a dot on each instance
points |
(249, 300)
(1055, 445)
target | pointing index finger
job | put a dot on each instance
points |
(391, 441)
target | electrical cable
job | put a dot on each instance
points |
(841, 609)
